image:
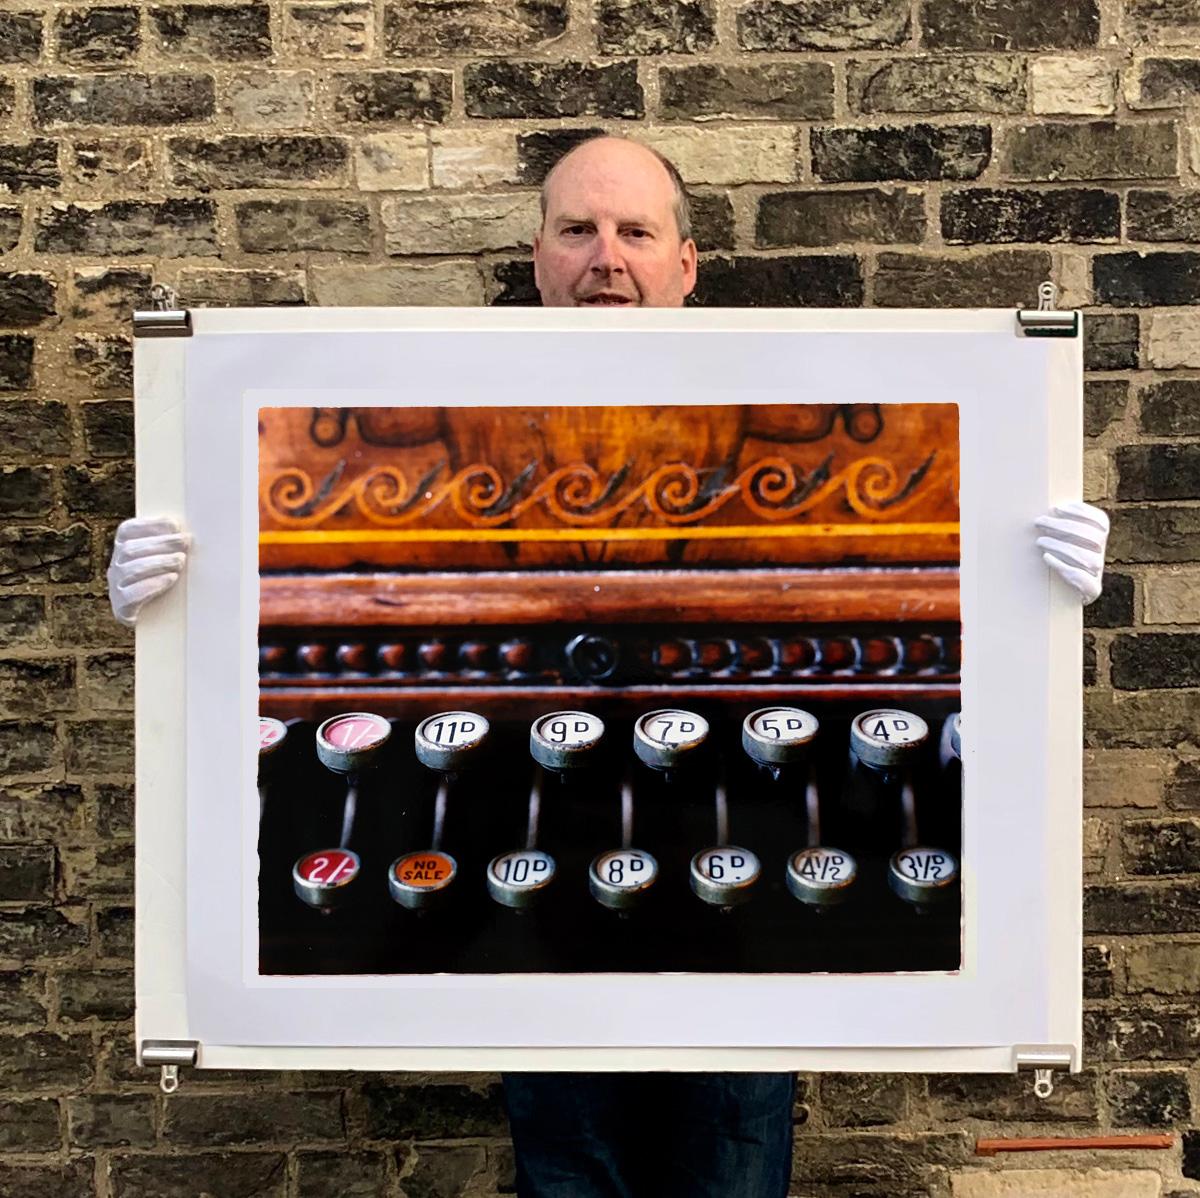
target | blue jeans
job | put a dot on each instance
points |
(651, 1135)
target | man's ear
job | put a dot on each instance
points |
(688, 261)
(537, 250)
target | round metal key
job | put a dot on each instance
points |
(886, 737)
(349, 743)
(956, 734)
(821, 876)
(665, 739)
(620, 879)
(778, 735)
(922, 875)
(271, 735)
(565, 740)
(322, 879)
(422, 879)
(518, 879)
(724, 876)
(449, 740)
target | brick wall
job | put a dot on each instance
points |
(842, 152)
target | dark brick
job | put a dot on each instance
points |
(1089, 659)
(432, 1170)
(26, 747)
(516, 285)
(26, 298)
(25, 490)
(1148, 1098)
(45, 555)
(418, 28)
(1114, 607)
(1092, 150)
(29, 166)
(1146, 280)
(105, 360)
(176, 228)
(1155, 534)
(39, 933)
(29, 1126)
(126, 163)
(217, 287)
(935, 83)
(275, 161)
(134, 99)
(1155, 660)
(72, 1180)
(954, 1097)
(217, 33)
(22, 621)
(782, 91)
(1183, 790)
(110, 1121)
(822, 25)
(1097, 971)
(27, 873)
(97, 871)
(432, 1111)
(1162, 216)
(548, 90)
(338, 226)
(99, 746)
(655, 26)
(227, 1174)
(22, 997)
(985, 214)
(108, 428)
(114, 810)
(215, 1120)
(1191, 1154)
(8, 100)
(1139, 1035)
(1002, 279)
(819, 281)
(346, 1174)
(1138, 908)
(868, 1165)
(10, 229)
(1110, 341)
(86, 621)
(821, 218)
(43, 1061)
(911, 152)
(862, 1099)
(110, 294)
(100, 490)
(538, 152)
(41, 812)
(1168, 82)
(1165, 17)
(20, 36)
(1104, 400)
(1171, 408)
(373, 97)
(89, 36)
(1153, 847)
(96, 994)
(107, 682)
(114, 927)
(37, 685)
(16, 374)
(1010, 24)
(1158, 471)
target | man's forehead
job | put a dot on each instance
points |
(611, 177)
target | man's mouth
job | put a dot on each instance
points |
(604, 298)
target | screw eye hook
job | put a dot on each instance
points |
(169, 1081)
(1043, 1083)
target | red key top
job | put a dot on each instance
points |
(322, 879)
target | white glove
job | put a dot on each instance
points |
(1073, 547)
(147, 559)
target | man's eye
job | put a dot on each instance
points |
(639, 233)
(575, 230)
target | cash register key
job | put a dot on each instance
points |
(322, 879)
(449, 740)
(349, 743)
(724, 876)
(821, 876)
(518, 879)
(565, 740)
(421, 880)
(665, 739)
(620, 879)
(886, 738)
(774, 736)
(922, 875)
(271, 735)
(956, 734)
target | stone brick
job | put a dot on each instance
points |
(1111, 341)
(1167, 21)
(274, 161)
(471, 158)
(99, 490)
(911, 152)
(1114, 607)
(1139, 719)
(392, 162)
(1183, 789)
(170, 228)
(1148, 1098)
(38, 933)
(114, 810)
(655, 26)
(212, 32)
(37, 686)
(1170, 969)
(20, 36)
(110, 1121)
(937, 83)
(97, 871)
(22, 622)
(228, 1174)
(29, 166)
(786, 25)
(728, 156)
(85, 621)
(1137, 1035)
(375, 97)
(415, 28)
(10, 228)
(1005, 278)
(270, 99)
(1057, 1183)
(99, 746)
(1056, 150)
(40, 812)
(30, 1126)
(1154, 847)
(216, 1120)
(1165, 83)
(983, 214)
(780, 91)
(1142, 907)
(35, 554)
(8, 100)
(97, 36)
(1097, 971)
(514, 285)
(26, 298)
(1171, 596)
(433, 1169)
(26, 490)
(432, 1111)
(866, 1164)
(104, 360)
(438, 284)
(1147, 279)
(96, 994)
(538, 152)
(1190, 1164)
(1089, 656)
(124, 163)
(22, 997)
(817, 281)
(712, 221)
(220, 287)
(837, 217)
(862, 1099)
(1155, 660)
(107, 681)
(1174, 340)
(1163, 216)
(108, 428)
(329, 31)
(1159, 471)
(459, 224)
(27, 873)
(548, 90)
(1010, 24)
(41, 1061)
(16, 374)
(71, 1180)
(954, 1097)
(346, 1174)
(1072, 86)
(114, 930)
(336, 226)
(133, 99)
(109, 294)
(1104, 401)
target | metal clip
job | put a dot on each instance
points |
(1046, 320)
(1042, 1062)
(170, 1054)
(163, 319)
(169, 1081)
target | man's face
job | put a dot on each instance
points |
(609, 238)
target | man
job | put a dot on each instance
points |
(616, 233)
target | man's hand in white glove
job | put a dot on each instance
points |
(147, 559)
(1073, 545)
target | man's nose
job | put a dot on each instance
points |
(606, 254)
